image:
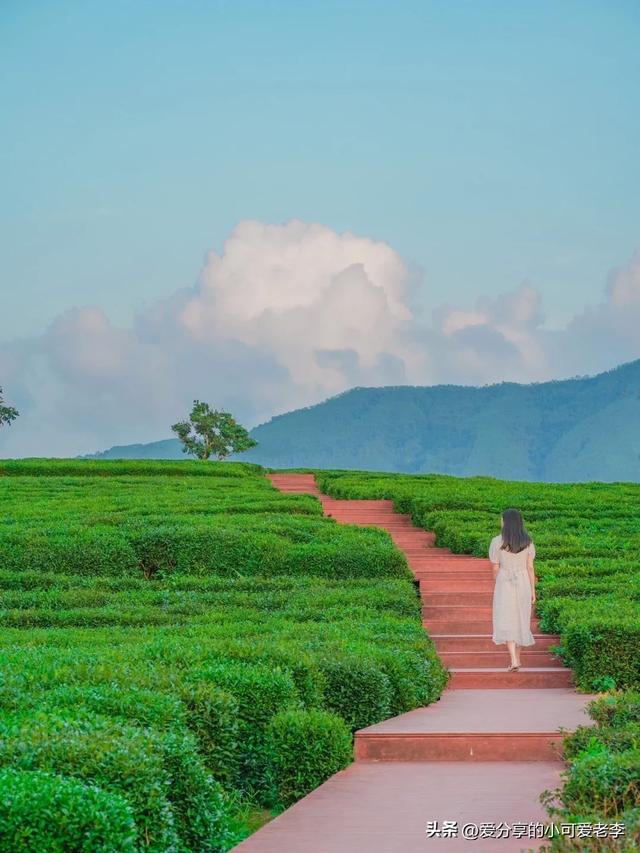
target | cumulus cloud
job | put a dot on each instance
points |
(284, 316)
(297, 290)
(499, 339)
(610, 330)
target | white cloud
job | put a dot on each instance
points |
(285, 316)
(297, 289)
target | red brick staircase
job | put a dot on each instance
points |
(494, 735)
(457, 593)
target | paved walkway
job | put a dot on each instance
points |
(482, 754)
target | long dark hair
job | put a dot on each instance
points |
(514, 536)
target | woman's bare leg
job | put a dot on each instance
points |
(512, 652)
(518, 655)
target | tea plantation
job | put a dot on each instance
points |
(181, 644)
(587, 539)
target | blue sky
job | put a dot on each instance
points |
(488, 143)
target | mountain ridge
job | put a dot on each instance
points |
(578, 429)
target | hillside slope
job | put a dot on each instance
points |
(569, 430)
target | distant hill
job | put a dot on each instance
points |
(168, 448)
(568, 430)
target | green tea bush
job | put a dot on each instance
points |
(213, 716)
(604, 781)
(41, 467)
(56, 814)
(123, 759)
(260, 692)
(601, 782)
(624, 842)
(587, 539)
(163, 624)
(415, 680)
(616, 709)
(358, 690)
(160, 774)
(198, 801)
(611, 738)
(305, 748)
(217, 547)
(135, 704)
(600, 638)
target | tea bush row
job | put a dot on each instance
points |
(587, 540)
(601, 782)
(151, 526)
(41, 467)
(173, 646)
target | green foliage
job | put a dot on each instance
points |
(260, 692)
(358, 690)
(161, 775)
(157, 617)
(616, 709)
(7, 413)
(305, 748)
(42, 467)
(601, 782)
(587, 538)
(600, 638)
(589, 739)
(56, 814)
(209, 431)
(605, 781)
(213, 716)
(108, 754)
(624, 842)
(226, 526)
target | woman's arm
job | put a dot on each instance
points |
(493, 557)
(532, 577)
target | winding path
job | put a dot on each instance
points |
(482, 754)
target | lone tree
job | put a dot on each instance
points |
(210, 432)
(7, 413)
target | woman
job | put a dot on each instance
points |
(511, 554)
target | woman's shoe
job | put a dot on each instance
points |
(514, 668)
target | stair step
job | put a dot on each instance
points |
(483, 643)
(438, 574)
(455, 584)
(500, 679)
(453, 570)
(456, 625)
(467, 746)
(457, 594)
(443, 555)
(493, 659)
(468, 598)
(458, 611)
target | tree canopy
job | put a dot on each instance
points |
(209, 432)
(7, 413)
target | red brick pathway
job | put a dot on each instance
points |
(483, 753)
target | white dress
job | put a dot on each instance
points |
(511, 595)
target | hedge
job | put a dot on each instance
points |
(42, 467)
(587, 540)
(304, 749)
(161, 776)
(57, 814)
(168, 637)
(217, 548)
